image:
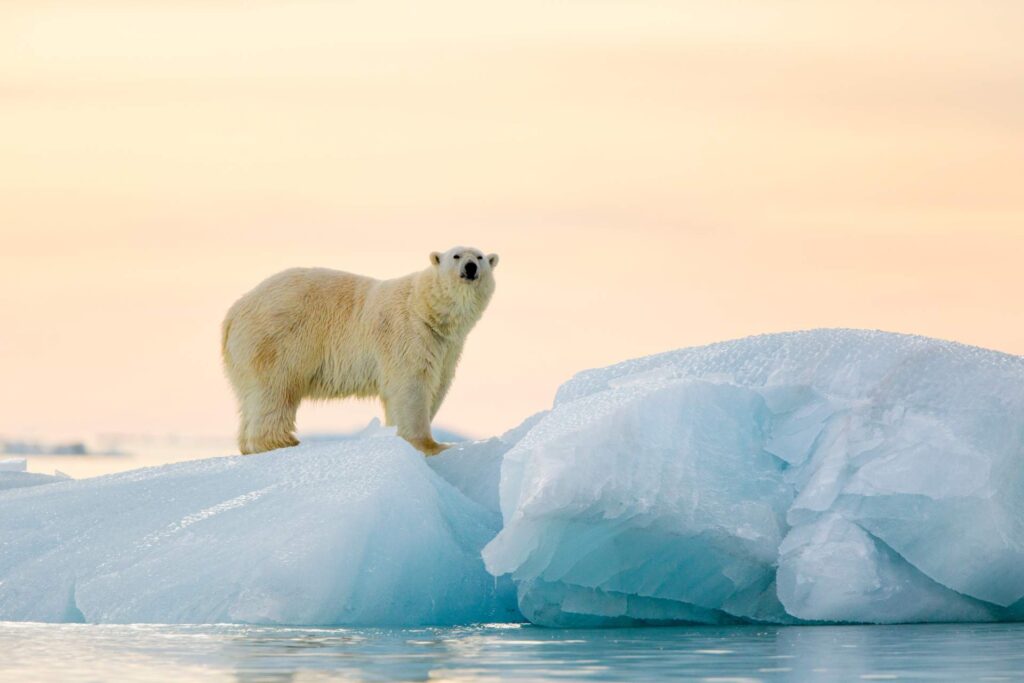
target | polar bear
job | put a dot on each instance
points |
(319, 333)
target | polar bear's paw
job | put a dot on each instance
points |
(261, 444)
(428, 446)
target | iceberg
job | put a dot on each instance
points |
(830, 475)
(810, 477)
(361, 532)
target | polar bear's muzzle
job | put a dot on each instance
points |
(469, 271)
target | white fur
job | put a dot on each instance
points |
(319, 333)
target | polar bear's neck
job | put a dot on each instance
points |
(450, 308)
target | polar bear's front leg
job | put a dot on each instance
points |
(409, 409)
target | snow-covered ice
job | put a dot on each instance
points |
(361, 532)
(833, 475)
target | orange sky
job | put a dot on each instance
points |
(653, 174)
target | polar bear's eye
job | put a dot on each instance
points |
(479, 258)
(456, 257)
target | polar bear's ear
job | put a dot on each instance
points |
(435, 258)
(492, 259)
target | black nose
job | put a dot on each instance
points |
(471, 270)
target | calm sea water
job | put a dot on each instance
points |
(72, 652)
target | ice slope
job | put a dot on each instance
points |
(361, 532)
(831, 475)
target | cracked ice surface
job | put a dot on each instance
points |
(834, 475)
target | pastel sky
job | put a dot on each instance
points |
(653, 174)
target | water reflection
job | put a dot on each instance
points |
(510, 652)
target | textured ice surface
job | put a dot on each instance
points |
(831, 475)
(360, 532)
(834, 475)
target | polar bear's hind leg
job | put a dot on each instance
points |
(268, 421)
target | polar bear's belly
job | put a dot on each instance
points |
(355, 373)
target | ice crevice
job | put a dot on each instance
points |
(74, 614)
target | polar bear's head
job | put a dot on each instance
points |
(465, 264)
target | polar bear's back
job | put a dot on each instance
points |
(298, 298)
(291, 324)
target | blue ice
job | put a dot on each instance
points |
(833, 475)
(822, 476)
